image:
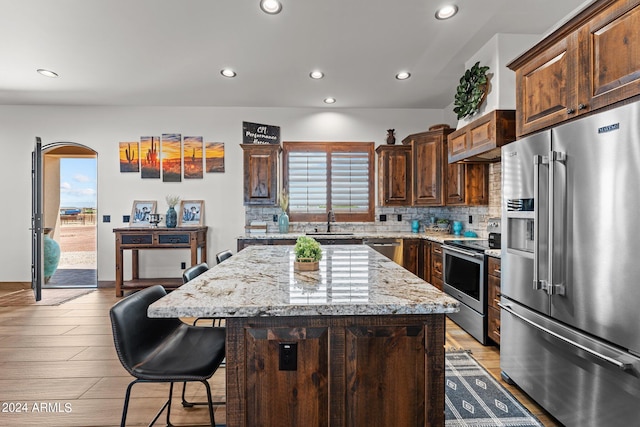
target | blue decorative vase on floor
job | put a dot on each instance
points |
(171, 219)
(283, 223)
(51, 255)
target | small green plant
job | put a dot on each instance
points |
(307, 249)
(443, 221)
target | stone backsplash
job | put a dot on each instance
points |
(478, 214)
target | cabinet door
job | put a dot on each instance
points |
(410, 250)
(436, 265)
(394, 175)
(302, 393)
(390, 397)
(424, 266)
(455, 184)
(547, 87)
(427, 153)
(610, 56)
(260, 174)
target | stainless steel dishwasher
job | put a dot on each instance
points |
(389, 247)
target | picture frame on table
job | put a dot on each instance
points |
(141, 213)
(191, 213)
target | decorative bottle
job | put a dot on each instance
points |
(171, 219)
(283, 223)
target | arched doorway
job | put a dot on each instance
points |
(70, 212)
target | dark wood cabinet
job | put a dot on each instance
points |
(351, 371)
(590, 62)
(467, 184)
(424, 266)
(260, 173)
(493, 266)
(438, 183)
(481, 139)
(411, 255)
(429, 179)
(436, 265)
(394, 175)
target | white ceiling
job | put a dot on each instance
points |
(170, 52)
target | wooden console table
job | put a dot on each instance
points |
(134, 239)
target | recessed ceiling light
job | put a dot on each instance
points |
(403, 75)
(47, 73)
(272, 7)
(329, 100)
(446, 12)
(228, 72)
(316, 74)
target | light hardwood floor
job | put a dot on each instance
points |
(63, 357)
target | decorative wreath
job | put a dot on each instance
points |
(471, 91)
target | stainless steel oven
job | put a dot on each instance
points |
(465, 278)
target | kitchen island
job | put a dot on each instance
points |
(359, 342)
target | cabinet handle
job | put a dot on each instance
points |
(497, 271)
(570, 110)
(582, 106)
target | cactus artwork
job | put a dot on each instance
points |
(129, 160)
(151, 161)
(193, 157)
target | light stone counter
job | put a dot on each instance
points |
(260, 281)
(427, 235)
(496, 253)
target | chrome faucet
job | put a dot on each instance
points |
(330, 217)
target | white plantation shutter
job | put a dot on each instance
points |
(307, 182)
(350, 182)
(323, 176)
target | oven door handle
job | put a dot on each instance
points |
(463, 252)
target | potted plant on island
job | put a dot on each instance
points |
(308, 254)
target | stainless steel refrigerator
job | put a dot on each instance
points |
(570, 319)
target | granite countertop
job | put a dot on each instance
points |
(261, 281)
(428, 235)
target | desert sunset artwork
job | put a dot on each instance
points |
(150, 159)
(171, 157)
(214, 152)
(129, 157)
(192, 154)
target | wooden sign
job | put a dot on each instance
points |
(255, 133)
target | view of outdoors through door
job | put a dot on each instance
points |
(72, 212)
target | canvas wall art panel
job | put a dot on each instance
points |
(129, 157)
(171, 157)
(150, 159)
(192, 154)
(214, 152)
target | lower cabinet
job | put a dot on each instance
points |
(336, 371)
(411, 255)
(436, 265)
(494, 298)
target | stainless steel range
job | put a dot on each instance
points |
(465, 278)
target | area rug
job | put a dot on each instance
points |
(25, 297)
(475, 399)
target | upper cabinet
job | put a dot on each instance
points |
(591, 62)
(261, 173)
(438, 183)
(394, 175)
(480, 140)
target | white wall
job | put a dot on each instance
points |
(102, 128)
(500, 50)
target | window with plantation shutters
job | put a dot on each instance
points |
(329, 176)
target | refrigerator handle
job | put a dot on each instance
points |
(553, 288)
(537, 161)
(619, 364)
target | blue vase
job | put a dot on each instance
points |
(51, 255)
(171, 219)
(415, 226)
(283, 223)
(457, 228)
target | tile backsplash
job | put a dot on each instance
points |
(478, 214)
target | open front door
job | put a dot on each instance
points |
(37, 261)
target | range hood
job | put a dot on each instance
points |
(480, 140)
